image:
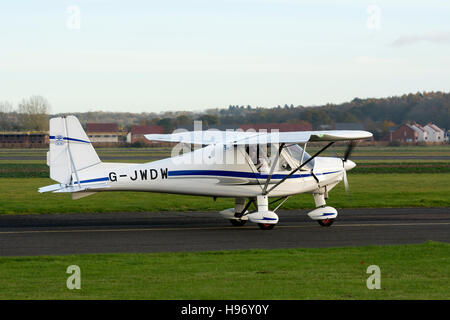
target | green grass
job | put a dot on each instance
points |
(41, 170)
(402, 168)
(24, 170)
(437, 150)
(19, 195)
(407, 272)
(30, 166)
(378, 151)
(18, 163)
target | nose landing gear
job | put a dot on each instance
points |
(323, 214)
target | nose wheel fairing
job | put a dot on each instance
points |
(323, 213)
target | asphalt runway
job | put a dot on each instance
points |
(60, 234)
(154, 158)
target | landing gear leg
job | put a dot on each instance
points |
(265, 219)
(325, 216)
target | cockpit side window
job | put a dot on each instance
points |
(299, 155)
(262, 156)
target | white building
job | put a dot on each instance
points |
(434, 133)
(422, 135)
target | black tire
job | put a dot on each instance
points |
(238, 223)
(325, 222)
(266, 226)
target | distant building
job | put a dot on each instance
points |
(103, 132)
(24, 139)
(405, 133)
(137, 133)
(435, 134)
(388, 136)
(422, 135)
(326, 127)
(281, 127)
(414, 132)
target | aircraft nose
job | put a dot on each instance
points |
(349, 165)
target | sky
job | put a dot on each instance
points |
(155, 56)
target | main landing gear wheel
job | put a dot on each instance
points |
(237, 223)
(325, 222)
(266, 226)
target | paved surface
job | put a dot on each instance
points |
(153, 158)
(58, 234)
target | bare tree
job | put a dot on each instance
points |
(6, 117)
(34, 112)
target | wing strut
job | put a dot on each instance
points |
(303, 164)
(275, 162)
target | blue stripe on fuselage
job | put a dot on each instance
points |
(238, 174)
(93, 180)
(221, 173)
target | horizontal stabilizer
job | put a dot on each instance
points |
(59, 188)
(50, 188)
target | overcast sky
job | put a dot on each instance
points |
(192, 55)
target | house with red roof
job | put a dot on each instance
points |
(405, 134)
(103, 132)
(137, 133)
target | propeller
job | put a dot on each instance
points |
(350, 165)
(346, 182)
(349, 150)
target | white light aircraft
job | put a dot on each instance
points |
(250, 167)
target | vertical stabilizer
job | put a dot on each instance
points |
(70, 149)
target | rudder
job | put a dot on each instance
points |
(70, 149)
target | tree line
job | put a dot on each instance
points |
(31, 114)
(375, 114)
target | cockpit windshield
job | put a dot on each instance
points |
(299, 155)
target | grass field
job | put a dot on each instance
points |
(19, 195)
(432, 150)
(407, 272)
(374, 183)
(30, 163)
(30, 169)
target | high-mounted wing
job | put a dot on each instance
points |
(244, 138)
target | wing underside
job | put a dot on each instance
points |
(244, 138)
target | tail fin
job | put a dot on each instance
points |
(70, 149)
